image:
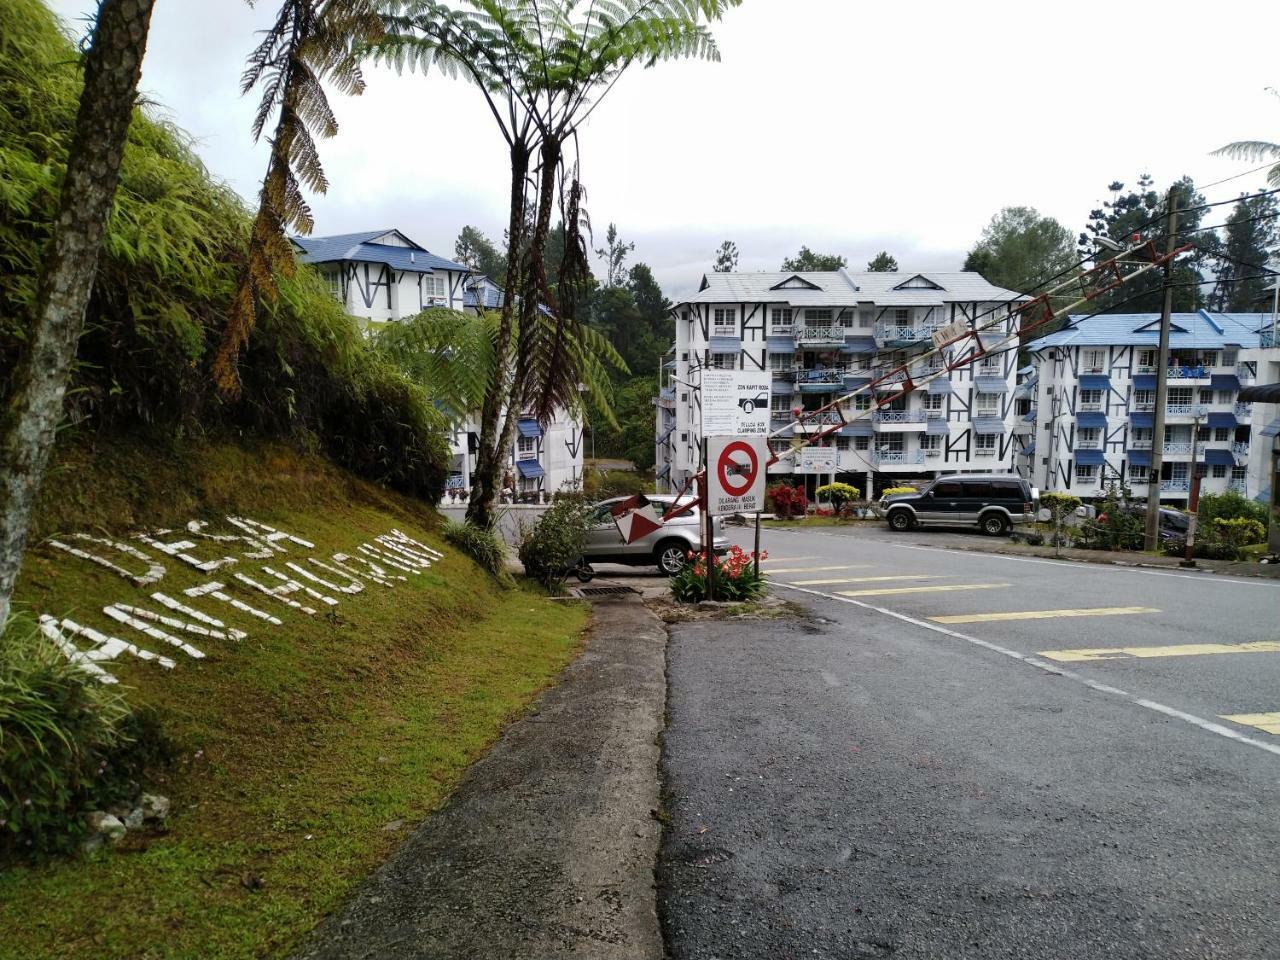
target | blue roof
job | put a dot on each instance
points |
(1219, 458)
(1095, 381)
(486, 288)
(858, 428)
(1143, 419)
(987, 425)
(360, 248)
(1092, 420)
(859, 345)
(1091, 458)
(1189, 331)
(781, 344)
(1144, 381)
(936, 428)
(991, 385)
(1139, 458)
(941, 385)
(528, 427)
(1223, 420)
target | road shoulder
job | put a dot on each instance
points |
(547, 848)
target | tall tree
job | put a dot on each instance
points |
(310, 43)
(1141, 212)
(479, 254)
(806, 261)
(1020, 248)
(882, 262)
(112, 69)
(1251, 240)
(614, 253)
(543, 68)
(726, 258)
(1255, 150)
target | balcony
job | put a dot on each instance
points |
(1245, 371)
(1096, 406)
(1177, 449)
(1089, 444)
(1180, 410)
(1240, 450)
(818, 379)
(814, 421)
(889, 458)
(820, 335)
(1188, 372)
(782, 330)
(1243, 411)
(892, 333)
(899, 416)
(1175, 486)
(1271, 338)
(1140, 444)
(1237, 486)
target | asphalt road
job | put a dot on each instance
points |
(945, 765)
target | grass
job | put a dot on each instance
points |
(302, 746)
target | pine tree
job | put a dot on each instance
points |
(1251, 240)
(726, 258)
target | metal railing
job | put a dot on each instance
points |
(1177, 449)
(921, 334)
(1141, 444)
(1245, 371)
(889, 457)
(782, 330)
(1240, 450)
(833, 375)
(1144, 407)
(898, 416)
(1238, 486)
(1175, 486)
(817, 421)
(807, 334)
(1179, 410)
(1243, 409)
(1271, 338)
(1091, 407)
(932, 452)
(1088, 444)
(1189, 372)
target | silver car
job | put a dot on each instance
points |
(667, 547)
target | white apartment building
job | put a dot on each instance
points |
(1095, 388)
(823, 335)
(381, 276)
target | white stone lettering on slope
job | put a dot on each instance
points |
(314, 594)
(179, 548)
(154, 572)
(138, 617)
(400, 535)
(216, 590)
(388, 559)
(372, 571)
(258, 549)
(104, 647)
(280, 593)
(180, 607)
(355, 586)
(269, 534)
(421, 561)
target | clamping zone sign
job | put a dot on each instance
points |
(737, 474)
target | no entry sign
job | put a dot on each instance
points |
(736, 474)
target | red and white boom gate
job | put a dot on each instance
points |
(958, 345)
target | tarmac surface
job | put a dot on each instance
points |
(971, 755)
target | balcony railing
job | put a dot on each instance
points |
(1188, 372)
(782, 330)
(1237, 486)
(1179, 410)
(1271, 338)
(1144, 407)
(1245, 371)
(881, 458)
(932, 452)
(1243, 410)
(1240, 450)
(1175, 486)
(1088, 444)
(784, 415)
(834, 375)
(898, 416)
(1091, 407)
(1140, 444)
(1177, 449)
(806, 334)
(817, 421)
(893, 332)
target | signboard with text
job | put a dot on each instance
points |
(816, 459)
(735, 403)
(736, 475)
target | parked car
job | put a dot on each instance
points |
(992, 502)
(666, 547)
(1173, 523)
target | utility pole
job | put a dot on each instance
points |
(1162, 383)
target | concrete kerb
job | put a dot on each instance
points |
(548, 846)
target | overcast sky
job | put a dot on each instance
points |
(850, 127)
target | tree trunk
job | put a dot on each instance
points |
(111, 72)
(488, 473)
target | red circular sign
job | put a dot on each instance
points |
(737, 485)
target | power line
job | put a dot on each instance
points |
(1237, 176)
(1220, 226)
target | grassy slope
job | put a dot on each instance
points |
(300, 743)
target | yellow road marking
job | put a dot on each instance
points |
(1180, 650)
(823, 583)
(893, 591)
(1042, 614)
(785, 559)
(839, 566)
(1268, 722)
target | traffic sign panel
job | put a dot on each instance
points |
(735, 403)
(736, 474)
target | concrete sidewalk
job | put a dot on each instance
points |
(547, 847)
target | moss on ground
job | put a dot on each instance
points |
(308, 750)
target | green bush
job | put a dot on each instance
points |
(601, 485)
(552, 546)
(68, 744)
(164, 282)
(840, 495)
(1231, 505)
(737, 578)
(482, 544)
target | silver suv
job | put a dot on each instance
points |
(666, 547)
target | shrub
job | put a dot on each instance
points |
(482, 544)
(600, 485)
(841, 495)
(1060, 506)
(1115, 527)
(788, 501)
(552, 546)
(68, 744)
(1230, 505)
(1221, 540)
(737, 577)
(891, 491)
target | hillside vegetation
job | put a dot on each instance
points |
(304, 752)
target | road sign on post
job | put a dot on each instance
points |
(736, 468)
(735, 403)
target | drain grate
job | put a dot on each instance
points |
(603, 591)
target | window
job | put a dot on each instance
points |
(931, 401)
(1144, 398)
(902, 317)
(434, 287)
(985, 443)
(1095, 361)
(818, 316)
(1210, 359)
(1091, 398)
(1203, 434)
(862, 401)
(1147, 359)
(1237, 474)
(1139, 474)
(1219, 470)
(1088, 438)
(1226, 397)
(526, 447)
(1086, 472)
(724, 317)
(947, 488)
(1180, 396)
(861, 443)
(890, 443)
(780, 317)
(866, 317)
(779, 446)
(846, 318)
(781, 361)
(685, 356)
(724, 361)
(334, 279)
(930, 442)
(1206, 395)
(1022, 407)
(1221, 434)
(987, 405)
(842, 443)
(1229, 358)
(780, 403)
(684, 398)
